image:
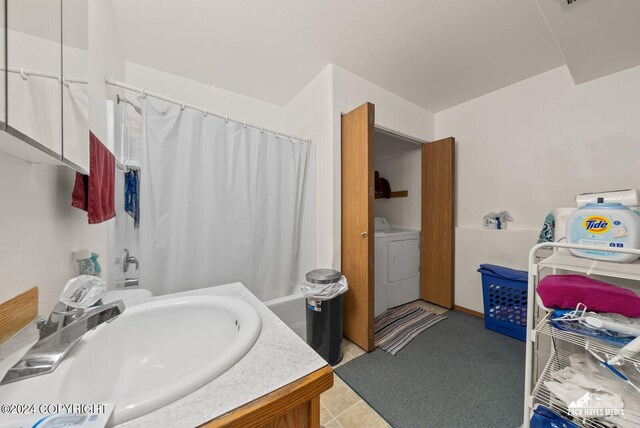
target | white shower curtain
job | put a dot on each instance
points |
(220, 203)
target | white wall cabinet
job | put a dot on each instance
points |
(44, 88)
(75, 91)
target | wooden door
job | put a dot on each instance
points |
(357, 224)
(437, 256)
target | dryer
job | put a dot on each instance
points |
(381, 261)
(397, 266)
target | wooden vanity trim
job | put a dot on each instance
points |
(17, 312)
(294, 405)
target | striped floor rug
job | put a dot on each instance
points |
(395, 328)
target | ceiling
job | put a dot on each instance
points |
(387, 145)
(596, 37)
(435, 53)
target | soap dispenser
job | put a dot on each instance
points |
(97, 269)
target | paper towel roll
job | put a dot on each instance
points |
(629, 197)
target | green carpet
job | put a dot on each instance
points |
(455, 374)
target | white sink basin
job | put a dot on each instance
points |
(150, 356)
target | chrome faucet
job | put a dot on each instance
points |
(60, 333)
(61, 316)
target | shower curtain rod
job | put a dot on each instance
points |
(25, 73)
(204, 111)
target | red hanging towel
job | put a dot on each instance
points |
(95, 193)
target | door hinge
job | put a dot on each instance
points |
(371, 117)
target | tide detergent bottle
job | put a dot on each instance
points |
(606, 226)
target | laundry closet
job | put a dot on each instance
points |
(397, 220)
(397, 236)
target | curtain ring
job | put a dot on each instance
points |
(23, 74)
(244, 125)
(205, 113)
(226, 119)
(183, 106)
(261, 130)
(64, 81)
(144, 93)
(277, 135)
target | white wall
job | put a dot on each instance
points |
(308, 115)
(39, 228)
(531, 147)
(217, 100)
(391, 112)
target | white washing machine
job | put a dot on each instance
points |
(397, 266)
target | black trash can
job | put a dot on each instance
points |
(325, 313)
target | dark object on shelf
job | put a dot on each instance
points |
(382, 187)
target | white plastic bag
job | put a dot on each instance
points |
(496, 220)
(321, 292)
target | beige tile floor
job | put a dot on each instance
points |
(341, 407)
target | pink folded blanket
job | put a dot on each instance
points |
(566, 291)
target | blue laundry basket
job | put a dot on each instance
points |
(504, 291)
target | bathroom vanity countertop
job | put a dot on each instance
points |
(25, 338)
(278, 358)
